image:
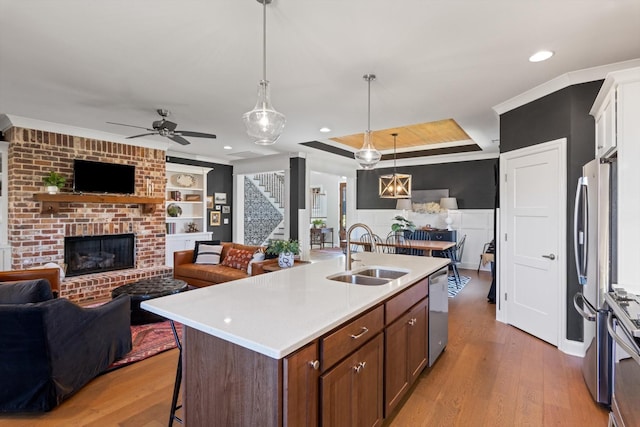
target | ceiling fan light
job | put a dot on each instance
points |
(264, 124)
(368, 156)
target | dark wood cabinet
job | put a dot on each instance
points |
(406, 353)
(352, 391)
(301, 385)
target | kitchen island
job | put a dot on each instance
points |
(269, 350)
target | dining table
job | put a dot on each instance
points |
(426, 246)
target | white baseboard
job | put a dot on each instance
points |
(574, 348)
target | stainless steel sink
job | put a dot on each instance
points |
(359, 280)
(382, 273)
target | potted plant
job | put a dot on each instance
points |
(285, 249)
(318, 223)
(54, 182)
(402, 225)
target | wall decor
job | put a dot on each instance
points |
(192, 197)
(226, 209)
(220, 198)
(217, 207)
(209, 202)
(214, 218)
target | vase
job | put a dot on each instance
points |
(285, 259)
(52, 189)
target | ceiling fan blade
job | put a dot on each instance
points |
(179, 139)
(142, 134)
(131, 126)
(196, 134)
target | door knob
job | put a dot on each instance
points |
(550, 256)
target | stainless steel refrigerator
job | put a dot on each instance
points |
(594, 237)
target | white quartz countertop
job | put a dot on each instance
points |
(278, 313)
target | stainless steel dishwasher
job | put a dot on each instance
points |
(438, 313)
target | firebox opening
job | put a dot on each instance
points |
(92, 254)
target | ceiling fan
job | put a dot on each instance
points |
(166, 128)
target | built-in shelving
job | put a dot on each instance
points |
(51, 202)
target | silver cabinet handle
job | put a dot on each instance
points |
(364, 331)
(314, 364)
(359, 367)
(550, 256)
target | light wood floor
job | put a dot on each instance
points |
(491, 374)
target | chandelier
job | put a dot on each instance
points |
(368, 156)
(396, 185)
(264, 124)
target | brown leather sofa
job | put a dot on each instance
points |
(201, 275)
(51, 274)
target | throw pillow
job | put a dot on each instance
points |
(238, 258)
(257, 256)
(25, 291)
(209, 254)
(204, 242)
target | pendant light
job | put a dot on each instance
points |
(264, 124)
(396, 185)
(368, 156)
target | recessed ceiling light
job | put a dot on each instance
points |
(227, 147)
(542, 55)
(325, 129)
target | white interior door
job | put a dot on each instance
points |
(533, 199)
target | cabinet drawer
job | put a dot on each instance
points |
(405, 300)
(351, 336)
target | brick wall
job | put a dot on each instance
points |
(37, 238)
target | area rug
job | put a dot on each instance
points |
(148, 340)
(454, 288)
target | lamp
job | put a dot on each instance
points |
(264, 124)
(403, 204)
(368, 156)
(448, 203)
(396, 185)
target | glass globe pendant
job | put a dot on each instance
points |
(264, 124)
(368, 156)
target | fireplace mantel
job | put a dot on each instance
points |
(51, 202)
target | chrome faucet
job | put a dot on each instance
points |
(348, 253)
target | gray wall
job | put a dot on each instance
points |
(564, 113)
(472, 183)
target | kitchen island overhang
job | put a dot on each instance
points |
(278, 313)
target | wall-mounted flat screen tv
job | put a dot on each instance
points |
(101, 177)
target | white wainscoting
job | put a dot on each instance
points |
(476, 224)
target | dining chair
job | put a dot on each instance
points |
(401, 245)
(419, 235)
(367, 238)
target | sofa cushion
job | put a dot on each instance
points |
(208, 273)
(25, 291)
(202, 242)
(238, 258)
(209, 254)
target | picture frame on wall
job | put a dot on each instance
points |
(226, 209)
(214, 218)
(217, 207)
(209, 202)
(220, 198)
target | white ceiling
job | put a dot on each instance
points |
(81, 63)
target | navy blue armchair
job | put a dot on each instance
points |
(51, 347)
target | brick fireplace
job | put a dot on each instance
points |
(38, 238)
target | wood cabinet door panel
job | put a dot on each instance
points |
(301, 385)
(351, 391)
(418, 345)
(396, 368)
